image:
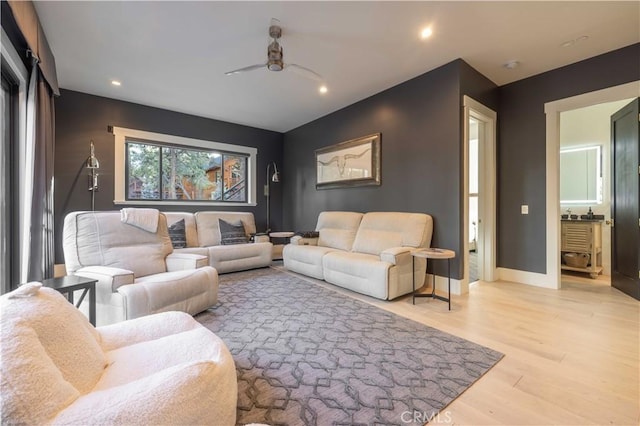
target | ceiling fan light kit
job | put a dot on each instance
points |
(275, 58)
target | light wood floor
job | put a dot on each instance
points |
(572, 356)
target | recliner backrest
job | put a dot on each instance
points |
(101, 239)
(379, 231)
(338, 229)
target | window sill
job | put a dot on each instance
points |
(182, 203)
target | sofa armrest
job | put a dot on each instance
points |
(184, 261)
(108, 277)
(300, 241)
(395, 255)
(143, 329)
(170, 396)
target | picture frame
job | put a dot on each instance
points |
(352, 163)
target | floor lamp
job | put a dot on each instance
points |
(93, 165)
(275, 177)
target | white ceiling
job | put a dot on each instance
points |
(173, 55)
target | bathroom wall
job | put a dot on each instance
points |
(587, 127)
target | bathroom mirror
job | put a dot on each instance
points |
(581, 175)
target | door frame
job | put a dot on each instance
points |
(486, 230)
(552, 279)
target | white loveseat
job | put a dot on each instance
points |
(56, 368)
(368, 253)
(138, 274)
(203, 237)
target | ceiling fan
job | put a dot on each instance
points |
(275, 57)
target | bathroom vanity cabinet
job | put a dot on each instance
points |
(583, 236)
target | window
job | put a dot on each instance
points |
(12, 127)
(162, 169)
(158, 172)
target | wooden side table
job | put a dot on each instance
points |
(70, 283)
(277, 248)
(434, 253)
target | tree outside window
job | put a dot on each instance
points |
(161, 172)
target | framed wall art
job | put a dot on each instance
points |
(351, 163)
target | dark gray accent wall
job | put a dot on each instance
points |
(420, 122)
(522, 149)
(81, 117)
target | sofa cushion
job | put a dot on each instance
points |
(338, 229)
(383, 230)
(100, 238)
(178, 234)
(232, 233)
(305, 259)
(208, 227)
(74, 347)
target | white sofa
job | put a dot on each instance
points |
(203, 237)
(138, 274)
(56, 368)
(368, 253)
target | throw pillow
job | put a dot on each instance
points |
(178, 234)
(232, 233)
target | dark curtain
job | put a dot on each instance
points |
(42, 239)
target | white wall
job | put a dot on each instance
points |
(592, 126)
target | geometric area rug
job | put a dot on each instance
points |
(307, 355)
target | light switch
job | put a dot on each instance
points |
(524, 209)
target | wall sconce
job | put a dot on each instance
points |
(270, 178)
(93, 165)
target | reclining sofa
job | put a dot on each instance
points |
(368, 253)
(137, 271)
(203, 237)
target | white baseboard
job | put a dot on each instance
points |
(441, 284)
(524, 277)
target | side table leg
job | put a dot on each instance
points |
(92, 304)
(449, 284)
(413, 276)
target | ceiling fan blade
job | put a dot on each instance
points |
(249, 68)
(304, 71)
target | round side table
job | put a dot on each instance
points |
(434, 253)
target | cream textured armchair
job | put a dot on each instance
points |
(56, 368)
(138, 274)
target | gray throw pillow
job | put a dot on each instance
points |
(232, 233)
(178, 234)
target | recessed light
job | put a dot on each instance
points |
(323, 89)
(426, 33)
(116, 83)
(511, 64)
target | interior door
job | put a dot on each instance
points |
(625, 195)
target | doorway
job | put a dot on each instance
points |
(553, 110)
(479, 192)
(585, 171)
(476, 127)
